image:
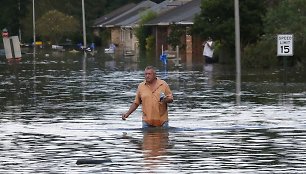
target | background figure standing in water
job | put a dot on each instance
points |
(154, 95)
(208, 50)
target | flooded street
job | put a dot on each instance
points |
(56, 109)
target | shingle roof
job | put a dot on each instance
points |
(128, 14)
(158, 9)
(183, 14)
(113, 14)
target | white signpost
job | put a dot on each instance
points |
(12, 47)
(285, 45)
(285, 49)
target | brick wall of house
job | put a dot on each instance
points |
(160, 36)
(183, 49)
(197, 49)
(115, 38)
(189, 49)
(191, 52)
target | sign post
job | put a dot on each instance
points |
(285, 49)
(285, 45)
(11, 45)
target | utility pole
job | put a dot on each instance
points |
(84, 26)
(238, 54)
(34, 52)
(19, 30)
(34, 34)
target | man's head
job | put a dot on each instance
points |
(150, 74)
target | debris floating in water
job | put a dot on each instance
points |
(92, 161)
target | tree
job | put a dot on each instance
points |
(17, 14)
(217, 20)
(11, 13)
(175, 35)
(142, 31)
(54, 25)
(288, 17)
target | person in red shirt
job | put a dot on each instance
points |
(154, 95)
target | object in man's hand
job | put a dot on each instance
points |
(162, 96)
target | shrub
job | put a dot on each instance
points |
(260, 55)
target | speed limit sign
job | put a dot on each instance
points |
(285, 45)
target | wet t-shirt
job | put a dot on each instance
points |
(154, 112)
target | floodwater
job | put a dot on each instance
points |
(59, 108)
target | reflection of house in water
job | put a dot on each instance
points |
(111, 64)
(122, 22)
(110, 49)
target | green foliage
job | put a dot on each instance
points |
(54, 25)
(150, 40)
(17, 14)
(217, 20)
(150, 47)
(288, 17)
(11, 13)
(217, 48)
(14, 18)
(142, 32)
(260, 55)
(175, 35)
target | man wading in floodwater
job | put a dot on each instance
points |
(154, 94)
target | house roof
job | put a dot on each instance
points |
(183, 14)
(127, 14)
(113, 14)
(157, 8)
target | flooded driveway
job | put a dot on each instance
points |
(57, 109)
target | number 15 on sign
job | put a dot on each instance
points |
(285, 45)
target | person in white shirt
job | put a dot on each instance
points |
(208, 50)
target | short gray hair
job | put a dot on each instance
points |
(150, 67)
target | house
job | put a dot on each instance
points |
(123, 37)
(99, 23)
(182, 16)
(128, 25)
(122, 26)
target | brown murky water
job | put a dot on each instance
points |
(59, 108)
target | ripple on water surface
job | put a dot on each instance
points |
(66, 113)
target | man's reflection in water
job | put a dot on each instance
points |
(154, 145)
